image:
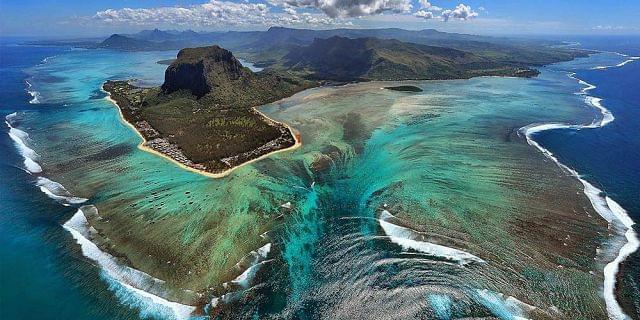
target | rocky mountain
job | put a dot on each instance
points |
(266, 48)
(201, 69)
(202, 116)
(345, 59)
(215, 75)
(127, 43)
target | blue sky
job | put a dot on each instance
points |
(101, 17)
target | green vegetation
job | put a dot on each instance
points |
(345, 59)
(203, 114)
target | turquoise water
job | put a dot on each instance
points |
(462, 186)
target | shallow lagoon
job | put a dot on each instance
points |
(448, 163)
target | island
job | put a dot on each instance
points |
(204, 116)
(404, 88)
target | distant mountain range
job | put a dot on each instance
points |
(203, 114)
(345, 59)
(266, 48)
(388, 54)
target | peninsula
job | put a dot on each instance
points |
(204, 116)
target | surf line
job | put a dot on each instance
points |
(628, 60)
(35, 95)
(411, 239)
(142, 286)
(146, 290)
(606, 207)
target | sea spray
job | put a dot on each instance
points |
(606, 207)
(124, 281)
(621, 64)
(407, 239)
(35, 95)
(20, 138)
(56, 191)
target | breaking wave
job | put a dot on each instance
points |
(255, 259)
(253, 262)
(20, 138)
(132, 287)
(408, 239)
(35, 95)
(629, 60)
(605, 206)
(56, 191)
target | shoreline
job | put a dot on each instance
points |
(606, 207)
(120, 276)
(213, 175)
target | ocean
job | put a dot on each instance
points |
(425, 202)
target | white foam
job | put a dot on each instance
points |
(132, 280)
(606, 207)
(56, 191)
(504, 307)
(255, 259)
(406, 238)
(607, 116)
(611, 269)
(631, 59)
(244, 279)
(35, 95)
(264, 250)
(20, 138)
(46, 60)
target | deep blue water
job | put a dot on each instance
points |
(41, 271)
(609, 157)
(40, 276)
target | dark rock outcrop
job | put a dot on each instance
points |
(199, 70)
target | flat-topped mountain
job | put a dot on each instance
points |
(345, 59)
(213, 75)
(201, 69)
(203, 116)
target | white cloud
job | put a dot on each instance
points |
(224, 13)
(608, 27)
(348, 8)
(228, 13)
(209, 14)
(460, 12)
(426, 5)
(424, 14)
(290, 11)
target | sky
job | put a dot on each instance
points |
(78, 18)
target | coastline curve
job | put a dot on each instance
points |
(218, 175)
(606, 207)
